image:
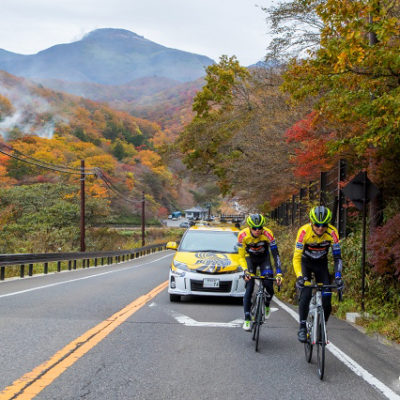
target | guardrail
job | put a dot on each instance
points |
(98, 257)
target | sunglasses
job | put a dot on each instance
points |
(321, 225)
(257, 228)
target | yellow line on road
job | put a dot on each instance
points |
(32, 383)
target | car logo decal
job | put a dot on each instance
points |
(211, 262)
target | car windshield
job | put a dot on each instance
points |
(214, 241)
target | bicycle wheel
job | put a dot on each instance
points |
(321, 342)
(254, 316)
(308, 347)
(258, 322)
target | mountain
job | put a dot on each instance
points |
(265, 64)
(107, 56)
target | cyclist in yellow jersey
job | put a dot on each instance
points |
(254, 244)
(311, 256)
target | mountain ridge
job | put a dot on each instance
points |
(107, 56)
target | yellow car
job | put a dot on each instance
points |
(206, 263)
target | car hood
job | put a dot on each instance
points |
(209, 262)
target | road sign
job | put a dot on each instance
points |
(356, 192)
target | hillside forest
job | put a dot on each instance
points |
(42, 127)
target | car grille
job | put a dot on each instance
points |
(197, 286)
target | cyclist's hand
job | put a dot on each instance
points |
(300, 282)
(339, 280)
(247, 276)
(279, 279)
(339, 283)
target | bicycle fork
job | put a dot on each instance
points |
(317, 313)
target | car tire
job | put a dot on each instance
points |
(174, 298)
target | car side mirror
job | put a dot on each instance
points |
(172, 245)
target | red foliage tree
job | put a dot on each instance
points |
(310, 147)
(384, 248)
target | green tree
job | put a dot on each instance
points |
(221, 85)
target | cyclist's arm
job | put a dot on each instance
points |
(298, 252)
(242, 251)
(274, 250)
(336, 250)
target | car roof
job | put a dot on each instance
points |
(214, 228)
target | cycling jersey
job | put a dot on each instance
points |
(312, 248)
(250, 246)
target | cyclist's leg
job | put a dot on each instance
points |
(305, 293)
(249, 291)
(322, 276)
(304, 303)
(266, 270)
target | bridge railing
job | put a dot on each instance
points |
(88, 259)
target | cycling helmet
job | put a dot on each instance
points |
(320, 215)
(255, 221)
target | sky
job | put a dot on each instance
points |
(207, 27)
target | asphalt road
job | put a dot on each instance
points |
(195, 349)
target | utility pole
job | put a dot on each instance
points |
(83, 246)
(143, 221)
(375, 207)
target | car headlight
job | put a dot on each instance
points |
(179, 268)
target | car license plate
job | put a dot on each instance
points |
(211, 283)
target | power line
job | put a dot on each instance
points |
(68, 170)
(44, 164)
(37, 164)
(113, 188)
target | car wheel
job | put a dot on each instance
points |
(174, 297)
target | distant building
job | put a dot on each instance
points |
(196, 213)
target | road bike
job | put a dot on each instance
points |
(258, 307)
(316, 326)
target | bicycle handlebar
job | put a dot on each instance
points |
(261, 278)
(321, 287)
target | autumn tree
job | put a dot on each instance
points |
(237, 135)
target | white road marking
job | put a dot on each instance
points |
(187, 321)
(348, 361)
(81, 279)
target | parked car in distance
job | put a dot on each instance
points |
(206, 263)
(184, 225)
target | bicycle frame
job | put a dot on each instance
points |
(316, 314)
(316, 327)
(259, 307)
